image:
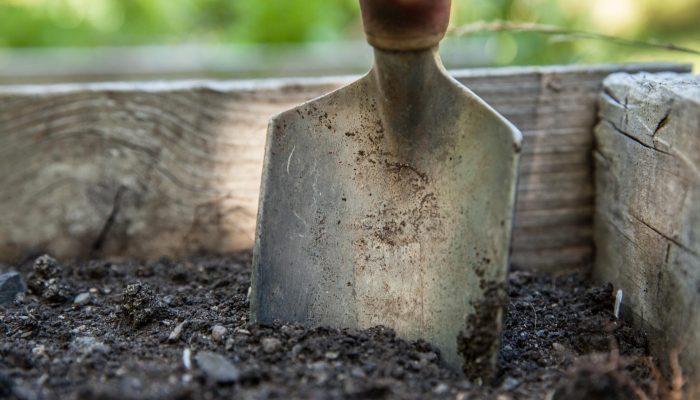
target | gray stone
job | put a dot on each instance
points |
(11, 284)
(271, 345)
(358, 372)
(429, 356)
(81, 299)
(187, 359)
(510, 383)
(441, 389)
(217, 367)
(169, 299)
(218, 332)
(177, 332)
(39, 351)
(296, 350)
(87, 345)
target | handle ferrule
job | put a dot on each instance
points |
(405, 25)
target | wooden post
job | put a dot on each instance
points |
(647, 218)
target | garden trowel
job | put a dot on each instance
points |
(390, 201)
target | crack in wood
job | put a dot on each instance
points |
(608, 94)
(598, 154)
(663, 235)
(627, 135)
(662, 122)
(109, 222)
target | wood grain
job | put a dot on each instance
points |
(647, 210)
(171, 169)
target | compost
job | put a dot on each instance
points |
(120, 329)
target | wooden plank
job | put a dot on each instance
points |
(559, 260)
(151, 169)
(553, 217)
(647, 218)
(532, 238)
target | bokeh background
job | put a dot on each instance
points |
(79, 40)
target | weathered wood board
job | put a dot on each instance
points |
(170, 169)
(647, 218)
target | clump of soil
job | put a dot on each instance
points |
(599, 376)
(141, 305)
(46, 280)
(146, 331)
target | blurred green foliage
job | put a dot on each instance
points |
(65, 23)
(39, 23)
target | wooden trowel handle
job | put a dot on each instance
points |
(405, 24)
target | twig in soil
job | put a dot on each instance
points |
(562, 34)
(677, 381)
(618, 303)
(614, 355)
(187, 358)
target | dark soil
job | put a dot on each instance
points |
(127, 340)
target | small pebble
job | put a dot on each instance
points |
(271, 345)
(441, 389)
(169, 299)
(217, 367)
(331, 355)
(39, 351)
(296, 350)
(217, 333)
(510, 383)
(177, 332)
(618, 302)
(187, 359)
(88, 344)
(358, 372)
(429, 357)
(82, 298)
(559, 348)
